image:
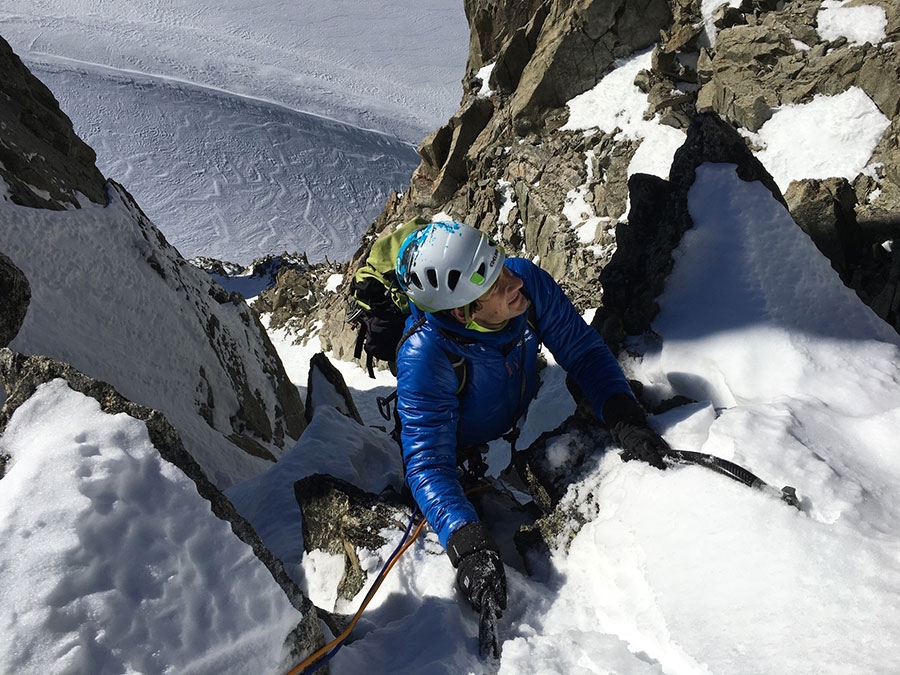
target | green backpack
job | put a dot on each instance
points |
(378, 306)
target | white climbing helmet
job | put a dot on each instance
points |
(447, 264)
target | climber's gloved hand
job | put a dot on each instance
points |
(628, 425)
(640, 442)
(479, 569)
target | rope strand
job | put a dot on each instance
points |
(323, 654)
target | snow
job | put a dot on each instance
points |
(232, 177)
(97, 304)
(707, 10)
(576, 208)
(508, 197)
(484, 74)
(831, 136)
(333, 282)
(112, 563)
(686, 571)
(262, 127)
(616, 104)
(859, 23)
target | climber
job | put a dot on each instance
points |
(471, 302)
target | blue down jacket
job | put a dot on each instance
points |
(435, 420)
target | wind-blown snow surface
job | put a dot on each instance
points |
(230, 177)
(116, 304)
(113, 563)
(246, 129)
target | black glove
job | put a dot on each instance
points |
(479, 570)
(628, 426)
(640, 442)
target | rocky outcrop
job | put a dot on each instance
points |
(765, 55)
(341, 519)
(297, 290)
(560, 51)
(15, 294)
(42, 160)
(825, 210)
(326, 386)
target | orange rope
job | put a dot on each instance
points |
(308, 661)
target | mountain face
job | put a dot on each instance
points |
(508, 161)
(97, 305)
(90, 281)
(94, 295)
(42, 161)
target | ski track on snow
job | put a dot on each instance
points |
(45, 59)
(227, 175)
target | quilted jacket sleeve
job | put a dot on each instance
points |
(429, 412)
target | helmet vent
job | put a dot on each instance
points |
(431, 273)
(453, 279)
(414, 279)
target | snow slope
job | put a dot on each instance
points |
(231, 177)
(113, 563)
(119, 306)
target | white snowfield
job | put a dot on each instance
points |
(231, 177)
(245, 129)
(388, 66)
(113, 563)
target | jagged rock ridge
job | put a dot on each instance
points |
(42, 160)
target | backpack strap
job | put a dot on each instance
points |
(457, 361)
(361, 334)
(532, 320)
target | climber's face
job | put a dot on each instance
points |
(503, 301)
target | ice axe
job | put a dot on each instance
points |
(787, 494)
(488, 641)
